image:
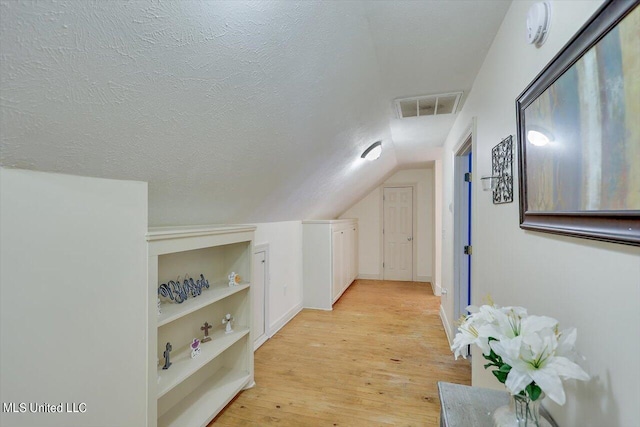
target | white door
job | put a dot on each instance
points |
(398, 233)
(258, 287)
(462, 229)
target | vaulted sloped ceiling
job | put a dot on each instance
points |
(232, 111)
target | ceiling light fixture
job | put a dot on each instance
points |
(373, 152)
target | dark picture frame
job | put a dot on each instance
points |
(581, 174)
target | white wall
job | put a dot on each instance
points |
(73, 298)
(369, 214)
(593, 286)
(285, 270)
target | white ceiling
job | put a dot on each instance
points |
(233, 111)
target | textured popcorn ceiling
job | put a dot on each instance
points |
(232, 111)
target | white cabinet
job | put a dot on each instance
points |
(330, 260)
(192, 391)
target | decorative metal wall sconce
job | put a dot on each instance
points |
(501, 179)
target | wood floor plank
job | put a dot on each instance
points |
(372, 361)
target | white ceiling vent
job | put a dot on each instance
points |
(431, 105)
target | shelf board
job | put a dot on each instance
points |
(183, 366)
(173, 311)
(203, 403)
(329, 221)
(160, 233)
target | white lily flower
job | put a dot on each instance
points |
(469, 333)
(533, 357)
(530, 345)
(534, 324)
(518, 311)
(473, 309)
(462, 339)
(566, 344)
(506, 322)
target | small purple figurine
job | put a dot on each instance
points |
(195, 348)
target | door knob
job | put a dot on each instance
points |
(409, 239)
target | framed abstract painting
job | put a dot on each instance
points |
(579, 133)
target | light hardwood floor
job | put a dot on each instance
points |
(372, 361)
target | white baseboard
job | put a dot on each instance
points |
(445, 324)
(259, 342)
(423, 279)
(286, 318)
(437, 289)
(309, 307)
(369, 276)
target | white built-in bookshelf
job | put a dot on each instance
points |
(192, 391)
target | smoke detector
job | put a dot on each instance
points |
(538, 21)
(430, 105)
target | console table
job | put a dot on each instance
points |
(462, 405)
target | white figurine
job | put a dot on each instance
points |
(226, 320)
(234, 279)
(195, 348)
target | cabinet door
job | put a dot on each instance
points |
(338, 264)
(347, 256)
(353, 254)
(259, 296)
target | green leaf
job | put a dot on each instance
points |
(501, 376)
(493, 359)
(497, 359)
(534, 391)
(505, 368)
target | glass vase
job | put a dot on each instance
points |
(521, 412)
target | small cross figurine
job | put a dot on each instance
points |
(206, 328)
(167, 354)
(226, 320)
